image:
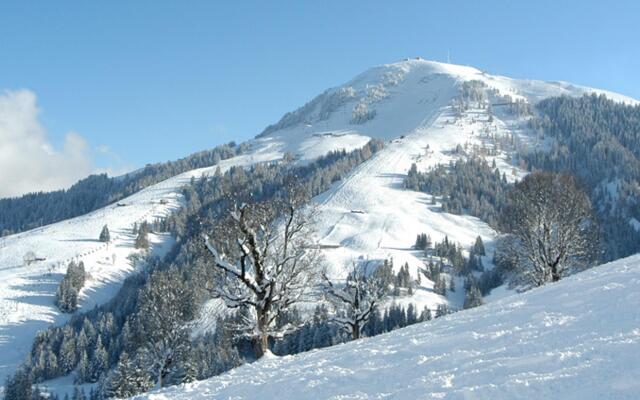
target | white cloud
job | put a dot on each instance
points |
(116, 165)
(28, 161)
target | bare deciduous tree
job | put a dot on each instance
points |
(552, 228)
(267, 262)
(357, 298)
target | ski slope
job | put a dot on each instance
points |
(576, 339)
(368, 215)
(27, 291)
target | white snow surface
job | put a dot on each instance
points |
(27, 292)
(413, 114)
(368, 215)
(575, 339)
(410, 102)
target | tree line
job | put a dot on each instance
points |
(33, 210)
(596, 140)
(469, 186)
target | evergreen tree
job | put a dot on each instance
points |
(442, 310)
(99, 361)
(67, 359)
(425, 315)
(18, 387)
(67, 292)
(84, 368)
(423, 241)
(440, 285)
(51, 367)
(78, 394)
(478, 247)
(67, 297)
(127, 379)
(105, 236)
(412, 316)
(473, 297)
(142, 240)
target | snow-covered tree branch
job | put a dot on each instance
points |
(356, 300)
(552, 227)
(267, 261)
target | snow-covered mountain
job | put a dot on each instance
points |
(409, 104)
(575, 339)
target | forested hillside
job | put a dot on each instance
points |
(148, 320)
(598, 141)
(591, 137)
(38, 209)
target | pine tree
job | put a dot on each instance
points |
(82, 342)
(425, 315)
(117, 383)
(51, 363)
(84, 368)
(67, 297)
(67, 292)
(473, 297)
(412, 316)
(78, 394)
(440, 285)
(442, 310)
(142, 240)
(99, 361)
(18, 386)
(478, 247)
(127, 379)
(105, 236)
(67, 353)
(423, 241)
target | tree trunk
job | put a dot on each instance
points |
(555, 275)
(261, 342)
(355, 331)
(159, 382)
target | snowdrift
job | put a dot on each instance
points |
(576, 339)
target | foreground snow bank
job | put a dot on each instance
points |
(577, 339)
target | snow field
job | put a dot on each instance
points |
(575, 339)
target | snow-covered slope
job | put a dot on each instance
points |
(27, 291)
(409, 105)
(576, 339)
(367, 215)
(401, 97)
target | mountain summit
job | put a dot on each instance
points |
(409, 164)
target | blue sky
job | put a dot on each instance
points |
(149, 81)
